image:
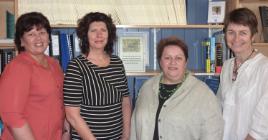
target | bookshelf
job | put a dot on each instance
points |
(193, 26)
(195, 31)
(254, 6)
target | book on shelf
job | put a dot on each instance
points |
(130, 83)
(216, 52)
(216, 11)
(6, 55)
(10, 24)
(64, 46)
(76, 49)
(1, 127)
(219, 57)
(206, 45)
(64, 51)
(212, 54)
(138, 82)
(54, 48)
(264, 21)
(212, 82)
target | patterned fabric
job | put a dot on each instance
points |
(98, 91)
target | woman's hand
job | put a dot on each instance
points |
(66, 136)
(249, 137)
(66, 131)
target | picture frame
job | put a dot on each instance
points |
(216, 11)
(133, 50)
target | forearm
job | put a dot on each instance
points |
(22, 133)
(249, 137)
(126, 109)
(79, 124)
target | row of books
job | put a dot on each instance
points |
(6, 55)
(64, 47)
(216, 52)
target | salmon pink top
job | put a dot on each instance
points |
(32, 93)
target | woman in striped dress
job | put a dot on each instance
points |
(96, 95)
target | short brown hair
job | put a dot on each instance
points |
(172, 40)
(243, 16)
(27, 22)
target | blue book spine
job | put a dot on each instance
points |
(1, 127)
(10, 25)
(212, 54)
(138, 84)
(65, 56)
(130, 81)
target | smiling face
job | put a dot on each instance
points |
(35, 41)
(97, 35)
(239, 38)
(173, 64)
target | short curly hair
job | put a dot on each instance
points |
(171, 40)
(27, 22)
(83, 27)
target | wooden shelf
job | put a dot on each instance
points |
(170, 26)
(208, 26)
(63, 26)
(260, 44)
(154, 73)
(147, 73)
(8, 47)
(253, 1)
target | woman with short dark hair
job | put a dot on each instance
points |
(175, 104)
(243, 90)
(31, 99)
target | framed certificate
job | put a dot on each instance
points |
(133, 49)
(216, 11)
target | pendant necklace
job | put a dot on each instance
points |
(237, 66)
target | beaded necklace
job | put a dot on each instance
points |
(167, 90)
(237, 66)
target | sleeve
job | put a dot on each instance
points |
(259, 127)
(212, 126)
(72, 86)
(125, 83)
(219, 93)
(133, 126)
(15, 89)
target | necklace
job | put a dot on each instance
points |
(165, 91)
(237, 66)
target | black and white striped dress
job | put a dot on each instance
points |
(98, 91)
